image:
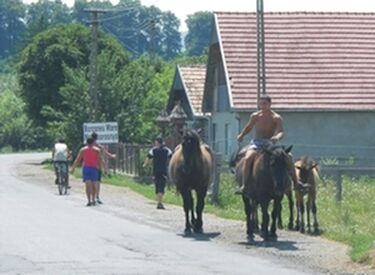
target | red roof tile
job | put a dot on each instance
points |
(194, 77)
(313, 60)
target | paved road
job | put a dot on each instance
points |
(43, 233)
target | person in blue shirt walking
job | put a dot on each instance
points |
(160, 155)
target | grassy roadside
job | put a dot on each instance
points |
(351, 221)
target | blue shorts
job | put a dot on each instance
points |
(90, 174)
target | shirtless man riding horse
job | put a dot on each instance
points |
(268, 130)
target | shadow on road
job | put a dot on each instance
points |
(279, 245)
(200, 236)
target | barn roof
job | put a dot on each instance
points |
(314, 61)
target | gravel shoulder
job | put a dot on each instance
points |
(309, 253)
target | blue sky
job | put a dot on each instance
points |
(182, 10)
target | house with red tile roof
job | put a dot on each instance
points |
(320, 73)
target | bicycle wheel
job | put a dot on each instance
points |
(60, 183)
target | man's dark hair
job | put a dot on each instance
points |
(266, 97)
(94, 135)
(90, 140)
(61, 140)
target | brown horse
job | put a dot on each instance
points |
(191, 168)
(237, 168)
(307, 173)
(268, 179)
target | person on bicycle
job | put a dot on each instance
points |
(60, 155)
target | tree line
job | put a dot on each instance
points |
(45, 68)
(138, 28)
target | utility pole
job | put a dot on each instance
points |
(93, 91)
(152, 40)
(261, 68)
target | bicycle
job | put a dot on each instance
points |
(62, 177)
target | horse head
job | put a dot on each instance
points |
(279, 167)
(190, 148)
(306, 167)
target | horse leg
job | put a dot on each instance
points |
(201, 194)
(187, 201)
(308, 206)
(279, 215)
(254, 216)
(193, 220)
(275, 214)
(248, 212)
(291, 210)
(314, 210)
(302, 219)
(265, 219)
(298, 207)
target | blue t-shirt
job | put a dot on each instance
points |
(160, 156)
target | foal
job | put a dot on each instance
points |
(307, 173)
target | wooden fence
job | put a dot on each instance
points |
(130, 157)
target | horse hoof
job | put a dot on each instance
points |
(250, 238)
(272, 237)
(302, 230)
(280, 226)
(263, 235)
(290, 226)
(187, 231)
(198, 230)
(316, 231)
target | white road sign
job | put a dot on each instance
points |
(107, 131)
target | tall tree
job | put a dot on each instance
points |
(15, 128)
(45, 14)
(199, 29)
(12, 26)
(41, 72)
(140, 29)
(172, 43)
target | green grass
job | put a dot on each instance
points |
(351, 221)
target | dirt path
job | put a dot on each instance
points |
(303, 252)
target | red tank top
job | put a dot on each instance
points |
(90, 157)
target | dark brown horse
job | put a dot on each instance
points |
(268, 179)
(237, 168)
(307, 173)
(191, 168)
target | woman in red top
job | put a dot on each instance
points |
(89, 155)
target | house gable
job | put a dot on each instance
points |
(187, 88)
(216, 96)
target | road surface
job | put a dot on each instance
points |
(43, 233)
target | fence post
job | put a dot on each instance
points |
(216, 183)
(338, 186)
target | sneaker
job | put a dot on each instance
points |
(88, 204)
(93, 203)
(160, 206)
(99, 201)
